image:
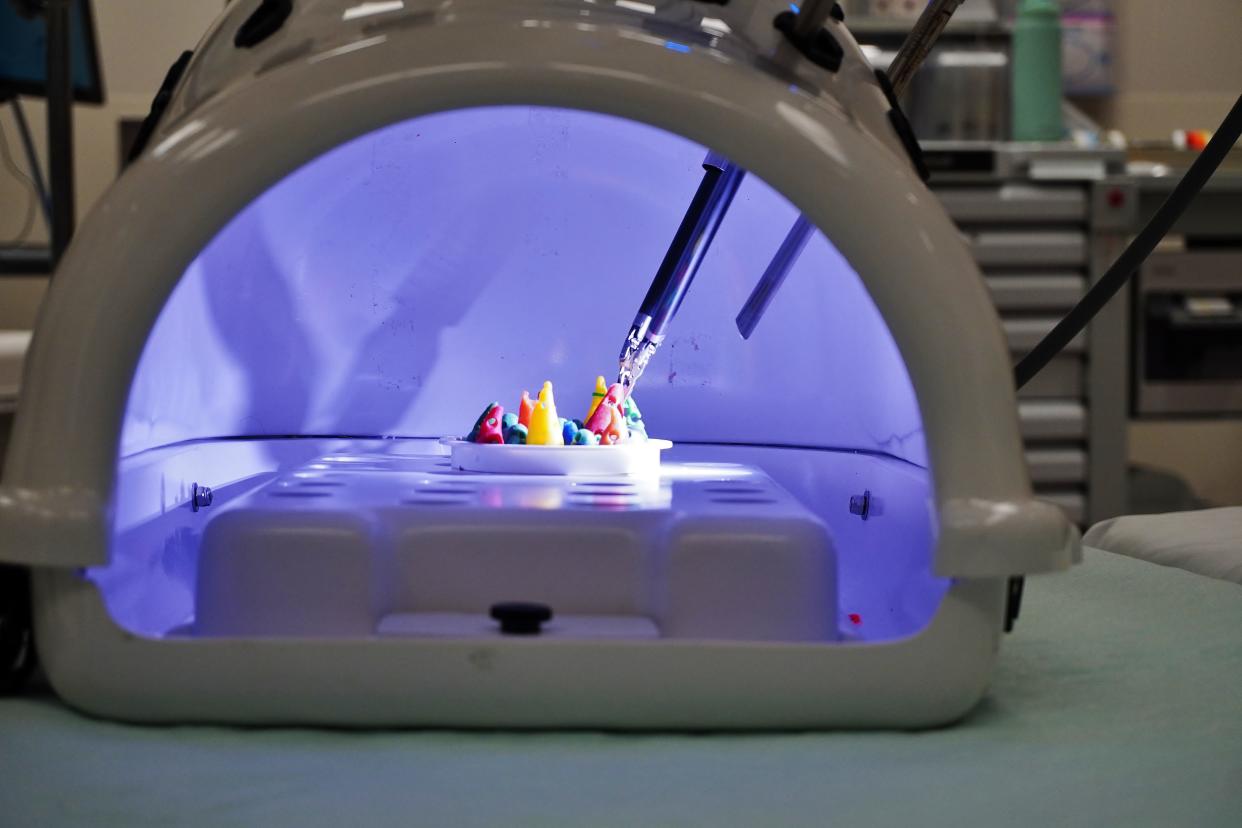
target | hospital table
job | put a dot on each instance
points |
(1117, 701)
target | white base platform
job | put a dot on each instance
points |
(122, 641)
(360, 545)
(632, 458)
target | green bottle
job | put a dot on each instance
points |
(1036, 72)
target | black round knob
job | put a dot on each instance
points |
(521, 617)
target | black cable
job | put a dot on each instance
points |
(31, 191)
(32, 159)
(1140, 248)
(17, 645)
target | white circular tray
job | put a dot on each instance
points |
(627, 458)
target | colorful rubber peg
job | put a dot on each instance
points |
(616, 431)
(631, 410)
(601, 417)
(634, 419)
(508, 423)
(568, 431)
(597, 395)
(585, 438)
(516, 436)
(545, 426)
(474, 432)
(525, 407)
(489, 431)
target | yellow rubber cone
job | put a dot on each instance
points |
(545, 425)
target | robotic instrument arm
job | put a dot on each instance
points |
(711, 201)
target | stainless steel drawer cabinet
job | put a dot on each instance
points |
(1043, 228)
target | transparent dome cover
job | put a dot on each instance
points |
(397, 283)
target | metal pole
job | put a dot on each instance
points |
(919, 42)
(60, 125)
(913, 52)
(784, 260)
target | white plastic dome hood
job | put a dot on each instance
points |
(96, 494)
(245, 118)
